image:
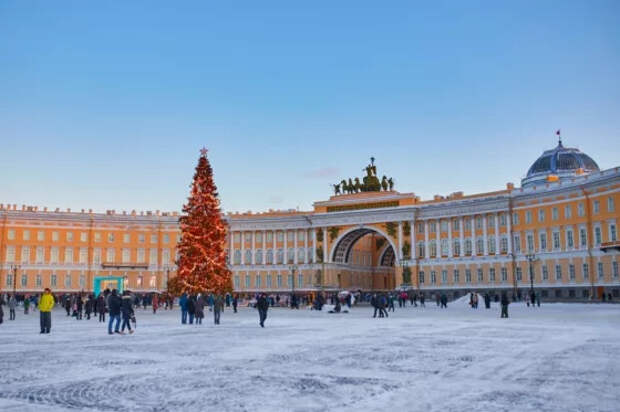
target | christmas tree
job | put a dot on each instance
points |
(202, 265)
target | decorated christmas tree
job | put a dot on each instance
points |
(202, 265)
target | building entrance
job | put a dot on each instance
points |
(101, 283)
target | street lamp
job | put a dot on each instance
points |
(293, 270)
(167, 270)
(531, 258)
(14, 268)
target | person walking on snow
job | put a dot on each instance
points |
(200, 309)
(183, 305)
(126, 311)
(12, 306)
(262, 305)
(504, 302)
(218, 306)
(114, 303)
(46, 304)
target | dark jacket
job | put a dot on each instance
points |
(100, 305)
(262, 303)
(114, 301)
(505, 300)
(191, 305)
(183, 302)
(126, 305)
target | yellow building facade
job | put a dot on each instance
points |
(558, 231)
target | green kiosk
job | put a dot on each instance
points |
(101, 283)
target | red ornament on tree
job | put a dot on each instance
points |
(202, 264)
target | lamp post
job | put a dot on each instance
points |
(167, 270)
(14, 268)
(531, 258)
(293, 270)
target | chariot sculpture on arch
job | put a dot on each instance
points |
(369, 183)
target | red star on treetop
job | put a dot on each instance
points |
(203, 151)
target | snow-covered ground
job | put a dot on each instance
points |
(559, 357)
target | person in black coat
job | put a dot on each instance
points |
(262, 305)
(100, 307)
(191, 308)
(126, 311)
(504, 302)
(114, 304)
(235, 302)
(487, 301)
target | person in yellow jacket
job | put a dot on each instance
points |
(46, 304)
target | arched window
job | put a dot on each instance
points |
(300, 255)
(479, 246)
(491, 246)
(290, 255)
(468, 246)
(433, 248)
(248, 257)
(280, 256)
(444, 247)
(237, 257)
(259, 256)
(456, 247)
(309, 252)
(421, 249)
(504, 244)
(270, 257)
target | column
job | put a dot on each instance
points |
(462, 235)
(509, 233)
(253, 247)
(412, 241)
(497, 251)
(484, 235)
(450, 237)
(263, 246)
(231, 253)
(285, 246)
(438, 233)
(426, 245)
(325, 257)
(473, 235)
(399, 255)
(306, 254)
(275, 249)
(313, 245)
(242, 248)
(295, 246)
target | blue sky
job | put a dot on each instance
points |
(105, 105)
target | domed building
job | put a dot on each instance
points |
(558, 164)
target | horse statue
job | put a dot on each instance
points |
(384, 183)
(391, 183)
(357, 185)
(336, 189)
(343, 185)
(351, 186)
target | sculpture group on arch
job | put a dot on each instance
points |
(369, 183)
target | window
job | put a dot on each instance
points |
(153, 281)
(421, 277)
(444, 225)
(141, 256)
(492, 274)
(110, 255)
(290, 255)
(53, 280)
(126, 238)
(259, 257)
(24, 281)
(67, 280)
(110, 237)
(25, 254)
(570, 241)
(554, 213)
(545, 272)
(83, 236)
(38, 281)
(610, 204)
(153, 256)
(40, 235)
(580, 210)
(301, 235)
(54, 255)
(300, 279)
(247, 281)
(141, 238)
(519, 275)
(444, 247)
(504, 272)
(528, 216)
(97, 237)
(478, 222)
(558, 272)
(615, 269)
(421, 249)
(571, 272)
(26, 235)
(556, 240)
(444, 277)
(280, 236)
(568, 212)
(597, 207)
(82, 281)
(515, 218)
(269, 237)
(279, 281)
(433, 277)
(433, 251)
(280, 256)
(237, 282)
(612, 232)
(40, 254)
(490, 222)
(68, 255)
(420, 227)
(270, 256)
(125, 255)
(479, 246)
(530, 242)
(455, 224)
(468, 246)
(541, 215)
(83, 255)
(543, 241)
(9, 280)
(259, 237)
(517, 243)
(258, 281)
(586, 271)
(491, 245)
(502, 219)
(69, 236)
(583, 240)
(456, 276)
(467, 275)
(599, 267)
(300, 255)
(55, 236)
(504, 245)
(166, 238)
(248, 257)
(597, 235)
(480, 276)
(456, 247)
(97, 256)
(153, 238)
(433, 227)
(11, 234)
(268, 280)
